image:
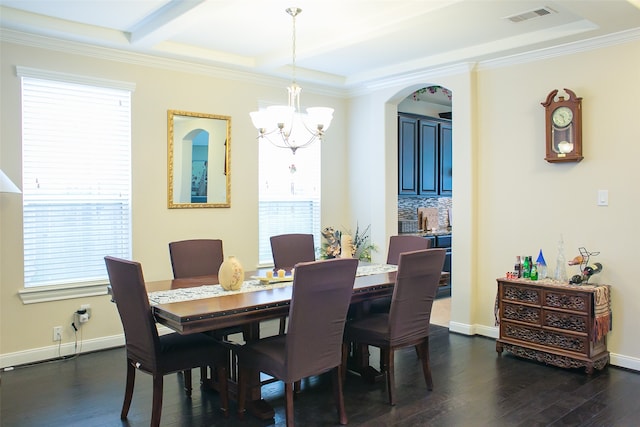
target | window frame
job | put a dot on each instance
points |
(44, 293)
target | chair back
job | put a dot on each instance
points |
(415, 289)
(130, 295)
(320, 299)
(400, 244)
(197, 257)
(290, 249)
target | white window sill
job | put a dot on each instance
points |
(61, 292)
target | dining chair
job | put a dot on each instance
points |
(196, 257)
(153, 354)
(397, 245)
(288, 250)
(320, 298)
(407, 322)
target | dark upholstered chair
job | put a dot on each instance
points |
(397, 245)
(287, 251)
(407, 323)
(408, 243)
(153, 354)
(290, 249)
(197, 257)
(320, 298)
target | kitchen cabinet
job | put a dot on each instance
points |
(424, 156)
(443, 241)
(557, 324)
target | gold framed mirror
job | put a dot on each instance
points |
(199, 154)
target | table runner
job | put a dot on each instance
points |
(215, 290)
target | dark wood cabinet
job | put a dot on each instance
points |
(424, 156)
(557, 324)
(443, 241)
(446, 164)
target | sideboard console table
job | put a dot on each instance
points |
(554, 322)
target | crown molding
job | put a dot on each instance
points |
(333, 89)
(171, 64)
(562, 50)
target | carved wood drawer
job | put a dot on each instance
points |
(522, 313)
(567, 301)
(522, 294)
(567, 321)
(547, 338)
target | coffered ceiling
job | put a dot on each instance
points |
(339, 43)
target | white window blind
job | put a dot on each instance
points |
(76, 179)
(289, 199)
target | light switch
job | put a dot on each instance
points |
(603, 197)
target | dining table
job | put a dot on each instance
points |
(199, 304)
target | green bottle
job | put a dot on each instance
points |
(526, 268)
(534, 272)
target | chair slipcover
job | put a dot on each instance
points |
(153, 354)
(407, 323)
(321, 295)
(197, 257)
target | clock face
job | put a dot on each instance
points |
(562, 116)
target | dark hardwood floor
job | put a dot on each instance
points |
(473, 386)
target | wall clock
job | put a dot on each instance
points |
(563, 127)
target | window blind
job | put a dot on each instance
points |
(289, 194)
(76, 180)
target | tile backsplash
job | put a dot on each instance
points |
(408, 208)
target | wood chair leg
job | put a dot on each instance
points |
(283, 325)
(188, 387)
(288, 393)
(343, 365)
(223, 388)
(156, 407)
(426, 365)
(242, 391)
(391, 376)
(128, 391)
(338, 395)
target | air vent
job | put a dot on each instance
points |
(536, 13)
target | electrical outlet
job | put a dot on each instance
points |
(57, 333)
(84, 313)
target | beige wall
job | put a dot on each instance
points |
(507, 200)
(26, 330)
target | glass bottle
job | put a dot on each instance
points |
(526, 268)
(534, 272)
(561, 263)
(517, 268)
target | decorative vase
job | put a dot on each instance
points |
(231, 274)
(346, 245)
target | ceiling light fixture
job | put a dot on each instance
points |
(284, 125)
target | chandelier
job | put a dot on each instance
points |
(285, 126)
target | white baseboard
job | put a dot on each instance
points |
(65, 350)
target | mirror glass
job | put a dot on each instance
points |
(199, 154)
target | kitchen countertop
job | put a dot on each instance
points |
(441, 232)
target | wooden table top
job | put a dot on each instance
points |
(239, 308)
